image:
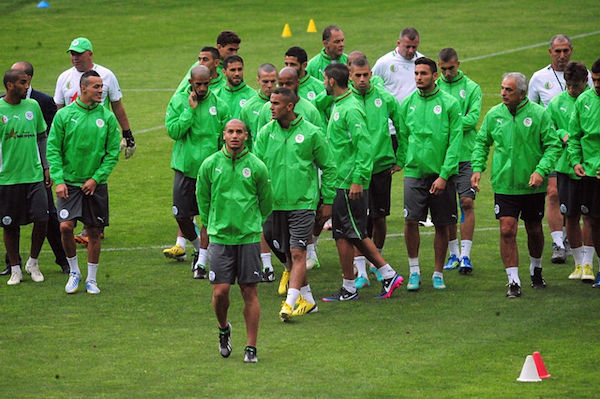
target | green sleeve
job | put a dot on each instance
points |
(357, 127)
(401, 135)
(450, 165)
(394, 115)
(264, 116)
(203, 187)
(574, 149)
(483, 141)
(179, 117)
(225, 116)
(324, 160)
(54, 148)
(265, 195)
(471, 117)
(111, 157)
(551, 146)
(259, 145)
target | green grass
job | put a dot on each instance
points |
(152, 333)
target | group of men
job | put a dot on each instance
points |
(319, 139)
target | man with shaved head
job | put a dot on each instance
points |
(230, 183)
(195, 120)
(267, 81)
(209, 57)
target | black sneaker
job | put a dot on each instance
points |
(514, 290)
(199, 273)
(225, 341)
(341, 295)
(250, 355)
(537, 281)
(268, 276)
(195, 260)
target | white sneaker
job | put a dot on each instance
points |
(34, 270)
(92, 287)
(15, 277)
(73, 283)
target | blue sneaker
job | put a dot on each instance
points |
(414, 282)
(73, 283)
(389, 286)
(465, 266)
(597, 282)
(361, 282)
(438, 283)
(92, 287)
(452, 263)
(375, 272)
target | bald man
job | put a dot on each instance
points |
(195, 120)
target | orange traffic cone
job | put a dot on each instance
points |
(539, 365)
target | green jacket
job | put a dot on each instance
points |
(250, 114)
(310, 87)
(215, 83)
(316, 65)
(303, 107)
(83, 143)
(292, 157)
(350, 142)
(584, 140)
(468, 95)
(560, 109)
(236, 97)
(379, 106)
(197, 132)
(430, 134)
(234, 197)
(523, 144)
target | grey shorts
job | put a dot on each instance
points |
(92, 210)
(291, 229)
(349, 217)
(22, 204)
(462, 181)
(417, 200)
(228, 262)
(184, 196)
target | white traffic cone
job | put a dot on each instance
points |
(529, 372)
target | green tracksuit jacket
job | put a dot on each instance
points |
(197, 132)
(215, 83)
(468, 95)
(234, 197)
(560, 109)
(523, 144)
(584, 129)
(236, 97)
(430, 134)
(310, 87)
(292, 157)
(250, 114)
(303, 107)
(316, 65)
(83, 143)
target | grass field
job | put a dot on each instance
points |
(152, 332)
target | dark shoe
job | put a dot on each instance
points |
(268, 276)
(537, 281)
(65, 268)
(5, 272)
(199, 273)
(250, 355)
(225, 341)
(514, 290)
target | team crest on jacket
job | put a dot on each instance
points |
(378, 102)
(246, 172)
(527, 121)
(299, 138)
(242, 102)
(29, 115)
(336, 116)
(311, 95)
(4, 119)
(212, 110)
(99, 123)
(463, 94)
(437, 109)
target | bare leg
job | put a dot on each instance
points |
(220, 302)
(508, 241)
(412, 238)
(440, 246)
(251, 312)
(68, 240)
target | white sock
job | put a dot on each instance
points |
(311, 251)
(349, 286)
(266, 261)
(513, 275)
(15, 269)
(202, 256)
(465, 248)
(533, 263)
(180, 241)
(413, 264)
(92, 270)
(315, 240)
(387, 271)
(73, 265)
(307, 294)
(557, 238)
(453, 247)
(292, 297)
(196, 244)
(32, 261)
(438, 274)
(588, 255)
(361, 265)
(578, 255)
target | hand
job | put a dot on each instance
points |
(62, 191)
(475, 178)
(128, 143)
(535, 180)
(394, 169)
(193, 99)
(565, 139)
(356, 191)
(89, 187)
(598, 174)
(438, 186)
(579, 171)
(47, 180)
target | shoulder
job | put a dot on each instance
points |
(539, 74)
(103, 71)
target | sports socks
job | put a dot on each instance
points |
(387, 271)
(534, 262)
(180, 241)
(92, 270)
(361, 265)
(465, 248)
(307, 293)
(413, 264)
(453, 247)
(196, 244)
(266, 261)
(292, 297)
(557, 238)
(202, 256)
(349, 286)
(73, 265)
(588, 255)
(578, 255)
(513, 275)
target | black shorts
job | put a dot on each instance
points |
(418, 199)
(268, 234)
(380, 191)
(569, 194)
(529, 206)
(22, 204)
(290, 229)
(462, 181)
(231, 262)
(349, 217)
(590, 203)
(184, 196)
(92, 210)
